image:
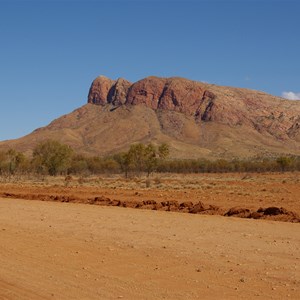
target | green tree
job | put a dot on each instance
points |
(52, 157)
(95, 164)
(136, 156)
(142, 158)
(284, 162)
(124, 161)
(16, 160)
(3, 162)
(79, 164)
(12, 161)
(163, 151)
(150, 159)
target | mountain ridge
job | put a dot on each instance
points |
(196, 119)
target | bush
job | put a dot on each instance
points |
(52, 157)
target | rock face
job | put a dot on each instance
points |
(118, 93)
(99, 90)
(176, 94)
(147, 91)
(104, 90)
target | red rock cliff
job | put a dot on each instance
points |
(176, 94)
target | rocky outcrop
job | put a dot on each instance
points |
(117, 95)
(175, 94)
(104, 90)
(99, 90)
(182, 95)
(146, 91)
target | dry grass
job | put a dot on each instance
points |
(225, 190)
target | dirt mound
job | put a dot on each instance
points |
(269, 213)
(239, 212)
(278, 214)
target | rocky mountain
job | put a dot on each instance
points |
(196, 119)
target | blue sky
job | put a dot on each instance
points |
(51, 51)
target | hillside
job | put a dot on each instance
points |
(195, 119)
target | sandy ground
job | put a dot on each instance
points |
(52, 250)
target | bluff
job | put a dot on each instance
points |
(196, 119)
(174, 94)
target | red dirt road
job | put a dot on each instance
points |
(52, 250)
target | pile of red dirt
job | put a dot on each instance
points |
(269, 213)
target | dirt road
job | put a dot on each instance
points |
(54, 250)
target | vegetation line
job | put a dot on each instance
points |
(53, 158)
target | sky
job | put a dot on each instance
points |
(51, 51)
